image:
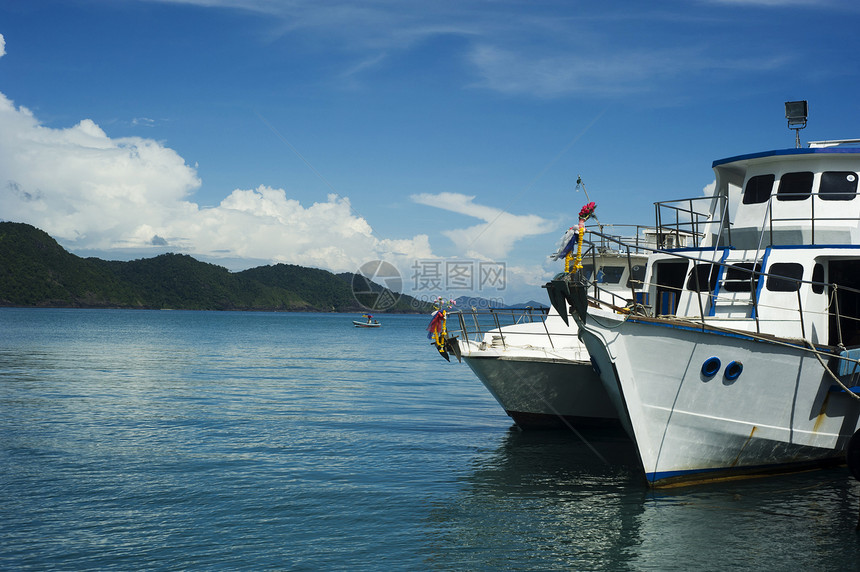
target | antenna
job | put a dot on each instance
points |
(581, 185)
(796, 113)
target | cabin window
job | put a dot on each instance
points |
(784, 277)
(818, 278)
(637, 276)
(758, 189)
(587, 271)
(838, 186)
(611, 274)
(740, 277)
(703, 278)
(605, 274)
(795, 186)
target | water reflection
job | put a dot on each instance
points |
(546, 501)
(543, 500)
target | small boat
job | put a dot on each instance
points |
(369, 322)
(743, 354)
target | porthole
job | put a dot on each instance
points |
(733, 370)
(711, 366)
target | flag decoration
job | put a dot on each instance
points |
(436, 330)
(566, 244)
(585, 213)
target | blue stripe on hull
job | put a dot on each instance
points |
(680, 478)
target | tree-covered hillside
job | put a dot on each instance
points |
(36, 271)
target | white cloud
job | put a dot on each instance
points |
(92, 192)
(552, 50)
(493, 239)
(571, 71)
(143, 122)
(558, 74)
(2, 46)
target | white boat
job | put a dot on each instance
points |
(533, 363)
(740, 358)
(368, 322)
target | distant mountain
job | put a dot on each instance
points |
(36, 271)
(531, 304)
(467, 302)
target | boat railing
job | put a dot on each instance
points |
(694, 219)
(594, 247)
(811, 221)
(607, 237)
(841, 319)
(687, 222)
(475, 324)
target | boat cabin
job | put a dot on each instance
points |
(777, 247)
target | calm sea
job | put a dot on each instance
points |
(138, 440)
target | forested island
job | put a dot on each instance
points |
(36, 271)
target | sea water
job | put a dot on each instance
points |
(172, 440)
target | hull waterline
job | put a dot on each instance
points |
(779, 414)
(546, 394)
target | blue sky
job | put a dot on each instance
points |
(329, 134)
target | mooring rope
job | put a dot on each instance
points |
(809, 347)
(563, 419)
(830, 372)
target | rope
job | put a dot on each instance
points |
(830, 372)
(533, 389)
(563, 420)
(809, 346)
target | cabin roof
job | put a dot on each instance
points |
(818, 148)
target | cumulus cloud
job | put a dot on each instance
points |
(2, 46)
(265, 223)
(492, 239)
(97, 193)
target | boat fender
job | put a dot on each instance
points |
(733, 370)
(711, 366)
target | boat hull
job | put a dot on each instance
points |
(691, 423)
(545, 394)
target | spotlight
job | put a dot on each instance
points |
(796, 113)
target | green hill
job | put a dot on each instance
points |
(36, 271)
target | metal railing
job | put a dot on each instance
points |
(475, 324)
(833, 312)
(596, 245)
(681, 220)
(810, 220)
(632, 236)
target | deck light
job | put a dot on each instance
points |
(796, 113)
